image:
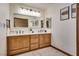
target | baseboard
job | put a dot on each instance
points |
(61, 51)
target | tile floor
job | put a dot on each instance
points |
(48, 51)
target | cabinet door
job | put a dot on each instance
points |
(34, 46)
(41, 37)
(34, 39)
(12, 43)
(25, 41)
(17, 44)
(34, 42)
(41, 43)
(47, 38)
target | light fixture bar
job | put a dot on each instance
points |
(29, 12)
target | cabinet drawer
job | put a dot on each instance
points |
(18, 51)
(41, 39)
(44, 45)
(34, 46)
(34, 39)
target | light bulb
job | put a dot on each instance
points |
(39, 14)
(20, 10)
(36, 14)
(24, 11)
(28, 12)
(33, 13)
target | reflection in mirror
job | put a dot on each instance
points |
(32, 23)
(36, 23)
(48, 22)
(7, 23)
(20, 22)
(42, 24)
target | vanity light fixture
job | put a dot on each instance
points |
(29, 12)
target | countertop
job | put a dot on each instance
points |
(27, 34)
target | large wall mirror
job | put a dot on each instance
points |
(20, 22)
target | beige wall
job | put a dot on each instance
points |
(63, 32)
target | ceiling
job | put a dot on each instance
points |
(43, 5)
(39, 5)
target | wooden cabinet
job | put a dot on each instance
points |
(41, 37)
(25, 41)
(19, 44)
(45, 40)
(34, 39)
(34, 46)
(34, 43)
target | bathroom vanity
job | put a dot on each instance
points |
(28, 35)
(24, 43)
(26, 32)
